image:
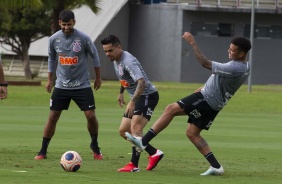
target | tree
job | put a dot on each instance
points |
(13, 4)
(24, 21)
(19, 27)
(56, 6)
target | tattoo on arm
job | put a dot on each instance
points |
(201, 57)
(201, 144)
(139, 90)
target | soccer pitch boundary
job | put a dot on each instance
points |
(245, 137)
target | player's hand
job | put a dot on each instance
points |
(130, 109)
(97, 84)
(120, 100)
(3, 92)
(188, 37)
(49, 86)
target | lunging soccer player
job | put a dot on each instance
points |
(71, 47)
(144, 98)
(205, 103)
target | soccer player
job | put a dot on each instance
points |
(3, 83)
(71, 47)
(143, 99)
(205, 103)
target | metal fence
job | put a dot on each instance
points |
(268, 4)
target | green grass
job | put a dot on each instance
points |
(245, 138)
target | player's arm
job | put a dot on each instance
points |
(92, 51)
(199, 55)
(98, 81)
(138, 92)
(52, 54)
(120, 99)
(49, 83)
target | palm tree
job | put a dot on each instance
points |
(12, 4)
(56, 6)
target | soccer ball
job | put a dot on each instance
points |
(71, 161)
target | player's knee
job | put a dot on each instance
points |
(90, 117)
(122, 134)
(171, 109)
(191, 136)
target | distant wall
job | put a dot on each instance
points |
(119, 26)
(153, 33)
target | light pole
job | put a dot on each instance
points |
(252, 43)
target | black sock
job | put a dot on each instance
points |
(135, 156)
(94, 143)
(212, 160)
(45, 143)
(148, 137)
(150, 150)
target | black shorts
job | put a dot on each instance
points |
(84, 98)
(198, 110)
(145, 105)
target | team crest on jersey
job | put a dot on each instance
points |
(120, 71)
(76, 46)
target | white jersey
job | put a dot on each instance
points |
(128, 71)
(225, 80)
(72, 52)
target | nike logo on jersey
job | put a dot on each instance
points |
(181, 102)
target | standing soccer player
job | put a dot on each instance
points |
(143, 99)
(204, 104)
(71, 47)
(3, 83)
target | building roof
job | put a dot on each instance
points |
(86, 21)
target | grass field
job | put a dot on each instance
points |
(245, 137)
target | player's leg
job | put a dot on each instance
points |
(132, 166)
(93, 127)
(155, 155)
(193, 133)
(84, 98)
(142, 113)
(59, 101)
(162, 122)
(124, 127)
(49, 131)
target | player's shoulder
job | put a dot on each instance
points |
(81, 34)
(127, 57)
(55, 36)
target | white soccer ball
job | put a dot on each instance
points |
(71, 161)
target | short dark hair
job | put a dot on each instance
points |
(110, 39)
(242, 43)
(66, 15)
